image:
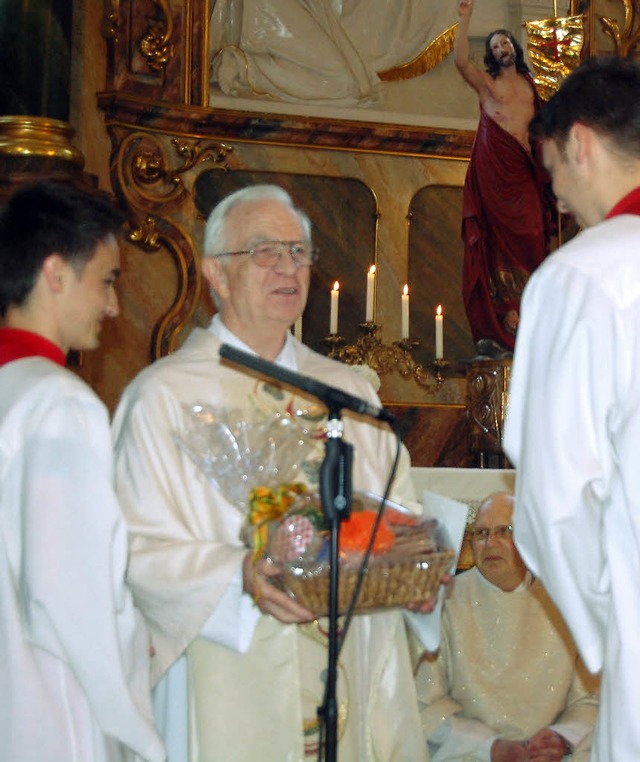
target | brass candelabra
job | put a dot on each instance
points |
(369, 350)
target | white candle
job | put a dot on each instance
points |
(371, 288)
(405, 312)
(333, 318)
(297, 328)
(439, 333)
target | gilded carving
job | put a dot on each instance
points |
(149, 175)
(626, 39)
(145, 174)
(155, 44)
(195, 153)
(166, 330)
(487, 399)
(146, 235)
(147, 167)
(435, 52)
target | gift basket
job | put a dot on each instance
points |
(259, 466)
(406, 563)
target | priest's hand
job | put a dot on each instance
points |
(267, 597)
(426, 607)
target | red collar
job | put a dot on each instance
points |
(15, 344)
(630, 204)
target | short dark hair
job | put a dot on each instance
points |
(44, 218)
(603, 94)
(493, 66)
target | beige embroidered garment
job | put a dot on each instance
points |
(507, 667)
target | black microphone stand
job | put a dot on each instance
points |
(335, 497)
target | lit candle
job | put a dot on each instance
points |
(405, 312)
(333, 318)
(371, 288)
(297, 328)
(439, 333)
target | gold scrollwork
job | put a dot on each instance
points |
(149, 174)
(195, 153)
(167, 328)
(146, 234)
(155, 44)
(145, 175)
(626, 40)
(487, 401)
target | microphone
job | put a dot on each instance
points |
(331, 396)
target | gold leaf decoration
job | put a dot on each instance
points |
(554, 46)
(155, 44)
(626, 40)
(435, 52)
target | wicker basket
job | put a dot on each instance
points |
(390, 581)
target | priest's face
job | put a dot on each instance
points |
(494, 552)
(258, 301)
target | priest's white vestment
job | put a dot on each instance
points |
(573, 431)
(507, 667)
(253, 683)
(74, 681)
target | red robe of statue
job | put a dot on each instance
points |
(508, 215)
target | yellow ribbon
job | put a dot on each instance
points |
(268, 504)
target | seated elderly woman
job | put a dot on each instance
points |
(507, 684)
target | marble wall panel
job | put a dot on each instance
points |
(343, 212)
(435, 435)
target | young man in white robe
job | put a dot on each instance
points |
(241, 661)
(74, 682)
(506, 684)
(573, 421)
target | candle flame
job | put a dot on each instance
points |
(405, 290)
(439, 310)
(372, 269)
(336, 286)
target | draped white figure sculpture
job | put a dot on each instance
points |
(319, 51)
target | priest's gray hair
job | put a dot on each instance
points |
(215, 233)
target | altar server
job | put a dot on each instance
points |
(573, 421)
(74, 681)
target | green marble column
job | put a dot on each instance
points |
(35, 57)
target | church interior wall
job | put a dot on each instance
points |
(150, 280)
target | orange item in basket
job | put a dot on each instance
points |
(355, 533)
